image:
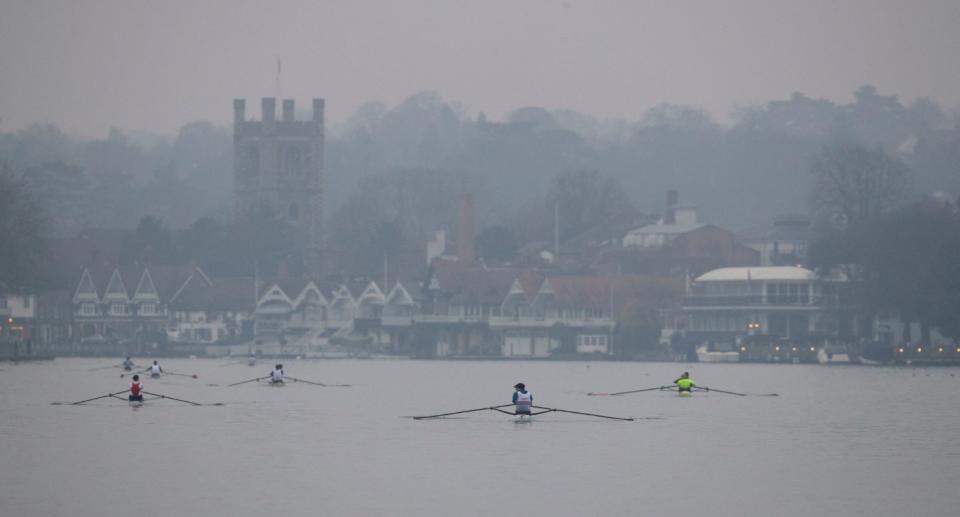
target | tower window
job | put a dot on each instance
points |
(251, 161)
(293, 163)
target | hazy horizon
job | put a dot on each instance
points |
(154, 67)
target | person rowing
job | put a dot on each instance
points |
(155, 370)
(136, 390)
(276, 376)
(522, 399)
(685, 383)
(252, 360)
(128, 364)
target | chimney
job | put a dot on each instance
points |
(318, 111)
(288, 110)
(673, 197)
(239, 108)
(465, 232)
(269, 106)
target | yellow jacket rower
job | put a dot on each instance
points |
(685, 383)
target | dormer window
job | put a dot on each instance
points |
(118, 309)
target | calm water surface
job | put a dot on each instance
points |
(838, 441)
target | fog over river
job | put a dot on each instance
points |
(837, 441)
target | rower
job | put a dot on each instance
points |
(128, 364)
(276, 376)
(136, 390)
(252, 360)
(155, 370)
(685, 383)
(522, 399)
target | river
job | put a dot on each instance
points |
(837, 441)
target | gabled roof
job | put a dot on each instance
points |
(86, 289)
(399, 295)
(310, 287)
(116, 290)
(220, 295)
(577, 291)
(371, 294)
(484, 286)
(112, 282)
(145, 289)
(603, 292)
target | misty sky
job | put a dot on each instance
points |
(89, 65)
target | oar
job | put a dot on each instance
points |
(88, 400)
(257, 379)
(181, 400)
(547, 410)
(294, 379)
(707, 388)
(103, 368)
(193, 375)
(626, 392)
(461, 412)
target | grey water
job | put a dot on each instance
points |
(837, 441)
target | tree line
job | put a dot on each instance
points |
(395, 175)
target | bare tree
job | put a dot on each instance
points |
(855, 184)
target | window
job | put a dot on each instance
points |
(293, 162)
(250, 162)
(148, 309)
(88, 309)
(118, 308)
(204, 335)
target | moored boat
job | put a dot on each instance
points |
(705, 355)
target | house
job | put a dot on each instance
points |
(680, 244)
(18, 314)
(308, 316)
(207, 311)
(785, 243)
(566, 313)
(730, 307)
(127, 306)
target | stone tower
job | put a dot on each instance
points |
(278, 166)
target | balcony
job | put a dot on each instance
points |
(756, 300)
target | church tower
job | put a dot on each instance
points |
(278, 166)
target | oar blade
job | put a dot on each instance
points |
(494, 408)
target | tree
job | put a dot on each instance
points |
(496, 243)
(20, 225)
(585, 199)
(151, 243)
(903, 264)
(855, 184)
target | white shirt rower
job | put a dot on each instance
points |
(155, 370)
(276, 376)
